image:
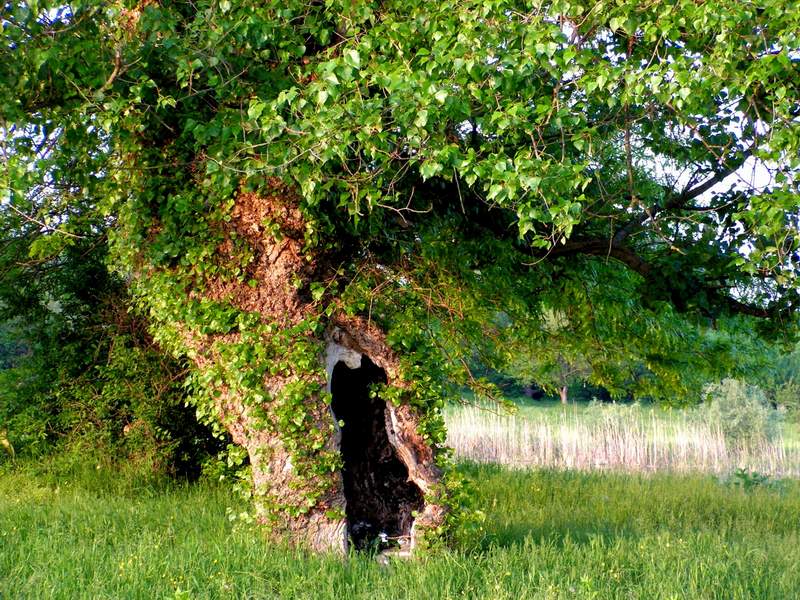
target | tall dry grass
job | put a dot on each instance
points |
(617, 438)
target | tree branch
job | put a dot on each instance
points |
(690, 194)
(681, 200)
(601, 247)
(628, 257)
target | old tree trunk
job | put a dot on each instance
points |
(334, 463)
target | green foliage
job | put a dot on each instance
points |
(741, 411)
(11, 348)
(782, 381)
(124, 404)
(602, 337)
(787, 397)
(465, 169)
(83, 378)
(750, 480)
(52, 308)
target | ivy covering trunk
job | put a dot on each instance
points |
(337, 454)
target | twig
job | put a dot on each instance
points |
(45, 225)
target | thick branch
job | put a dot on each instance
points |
(600, 247)
(681, 200)
(628, 257)
(746, 309)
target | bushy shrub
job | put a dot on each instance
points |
(128, 407)
(741, 412)
(81, 381)
(787, 397)
(91, 387)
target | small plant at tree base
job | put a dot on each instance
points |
(748, 480)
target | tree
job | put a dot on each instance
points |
(555, 360)
(781, 381)
(603, 336)
(325, 205)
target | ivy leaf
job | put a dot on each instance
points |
(255, 109)
(352, 58)
(317, 291)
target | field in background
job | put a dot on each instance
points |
(546, 535)
(623, 437)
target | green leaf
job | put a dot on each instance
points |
(317, 291)
(255, 109)
(430, 169)
(352, 58)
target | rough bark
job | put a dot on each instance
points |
(279, 261)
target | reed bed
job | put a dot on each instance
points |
(611, 438)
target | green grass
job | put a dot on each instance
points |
(546, 535)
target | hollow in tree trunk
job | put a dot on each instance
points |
(380, 500)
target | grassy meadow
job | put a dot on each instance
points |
(546, 534)
(578, 501)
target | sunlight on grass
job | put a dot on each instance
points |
(545, 535)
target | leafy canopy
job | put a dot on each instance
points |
(471, 164)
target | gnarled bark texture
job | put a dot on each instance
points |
(388, 468)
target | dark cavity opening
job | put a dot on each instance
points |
(380, 498)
